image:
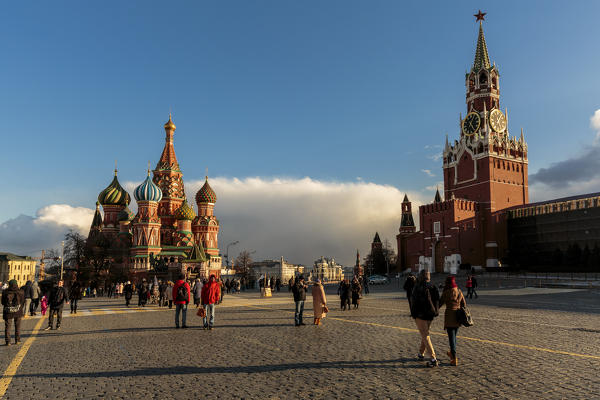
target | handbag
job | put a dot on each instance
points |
(325, 309)
(201, 312)
(463, 316)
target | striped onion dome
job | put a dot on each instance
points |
(125, 215)
(114, 194)
(148, 191)
(185, 212)
(206, 194)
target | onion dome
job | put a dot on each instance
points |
(114, 194)
(185, 212)
(148, 191)
(125, 215)
(169, 125)
(206, 194)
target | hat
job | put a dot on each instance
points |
(13, 282)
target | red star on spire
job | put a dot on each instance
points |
(480, 16)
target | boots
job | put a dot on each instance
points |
(453, 360)
(317, 321)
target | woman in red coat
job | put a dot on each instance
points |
(211, 293)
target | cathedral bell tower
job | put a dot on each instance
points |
(169, 179)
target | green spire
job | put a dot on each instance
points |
(482, 59)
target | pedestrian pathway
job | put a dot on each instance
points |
(87, 312)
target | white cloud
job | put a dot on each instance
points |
(595, 120)
(300, 219)
(435, 157)
(428, 172)
(433, 188)
(28, 235)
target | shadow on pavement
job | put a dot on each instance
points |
(248, 369)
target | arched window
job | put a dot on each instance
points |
(483, 78)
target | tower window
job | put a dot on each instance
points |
(483, 78)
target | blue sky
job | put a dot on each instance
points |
(330, 90)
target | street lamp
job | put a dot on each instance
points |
(62, 259)
(227, 252)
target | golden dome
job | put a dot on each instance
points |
(170, 125)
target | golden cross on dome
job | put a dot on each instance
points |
(480, 16)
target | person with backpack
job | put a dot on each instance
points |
(181, 296)
(13, 300)
(58, 297)
(453, 299)
(424, 308)
(211, 293)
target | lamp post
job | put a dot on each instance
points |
(227, 252)
(62, 258)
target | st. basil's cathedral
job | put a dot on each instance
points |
(165, 234)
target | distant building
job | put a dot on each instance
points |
(275, 269)
(20, 268)
(326, 269)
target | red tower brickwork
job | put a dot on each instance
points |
(169, 179)
(485, 172)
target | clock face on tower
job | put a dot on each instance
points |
(471, 124)
(497, 120)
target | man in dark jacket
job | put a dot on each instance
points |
(345, 290)
(299, 291)
(181, 297)
(128, 291)
(58, 297)
(75, 296)
(425, 300)
(13, 301)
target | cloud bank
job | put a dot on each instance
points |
(300, 219)
(576, 175)
(28, 235)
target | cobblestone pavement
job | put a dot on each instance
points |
(525, 345)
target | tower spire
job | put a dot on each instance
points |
(482, 59)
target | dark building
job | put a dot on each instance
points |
(556, 233)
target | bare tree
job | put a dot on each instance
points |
(242, 262)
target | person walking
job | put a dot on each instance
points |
(469, 287)
(356, 289)
(27, 293)
(211, 293)
(221, 289)
(13, 301)
(128, 291)
(291, 284)
(278, 284)
(474, 286)
(181, 295)
(319, 302)
(58, 297)
(143, 294)
(425, 303)
(366, 281)
(345, 290)
(299, 292)
(453, 299)
(75, 296)
(35, 298)
(409, 284)
(197, 292)
(170, 294)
